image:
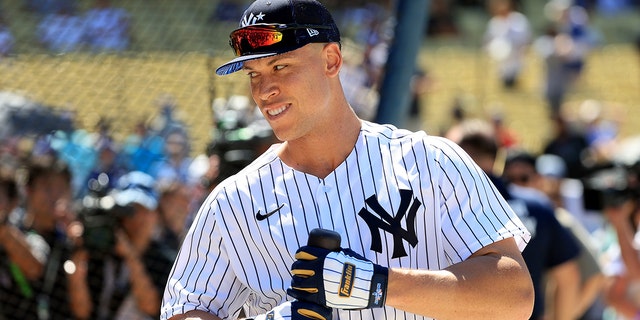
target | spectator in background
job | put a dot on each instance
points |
(572, 23)
(7, 41)
(622, 293)
(457, 116)
(551, 252)
(123, 278)
(555, 49)
(507, 38)
(19, 263)
(44, 219)
(175, 164)
(421, 84)
(61, 31)
(355, 78)
(174, 206)
(507, 138)
(564, 47)
(142, 149)
(600, 130)
(543, 176)
(107, 28)
(107, 165)
(570, 144)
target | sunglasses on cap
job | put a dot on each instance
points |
(255, 38)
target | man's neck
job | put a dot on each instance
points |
(321, 154)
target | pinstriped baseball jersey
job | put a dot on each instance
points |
(400, 199)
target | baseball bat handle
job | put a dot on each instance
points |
(323, 238)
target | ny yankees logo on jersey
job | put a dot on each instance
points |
(385, 222)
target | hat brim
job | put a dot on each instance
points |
(129, 196)
(238, 63)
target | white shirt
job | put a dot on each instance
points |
(439, 206)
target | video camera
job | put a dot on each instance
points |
(100, 216)
(610, 185)
(242, 134)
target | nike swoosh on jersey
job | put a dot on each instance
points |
(261, 217)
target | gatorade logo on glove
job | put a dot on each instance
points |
(346, 284)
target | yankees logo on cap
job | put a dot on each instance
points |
(272, 27)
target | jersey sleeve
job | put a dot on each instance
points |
(473, 212)
(202, 277)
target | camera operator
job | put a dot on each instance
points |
(18, 263)
(118, 263)
(622, 209)
(41, 292)
(620, 294)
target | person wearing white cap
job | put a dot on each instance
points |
(124, 281)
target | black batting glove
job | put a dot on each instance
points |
(343, 279)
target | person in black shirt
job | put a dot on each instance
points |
(33, 284)
(120, 265)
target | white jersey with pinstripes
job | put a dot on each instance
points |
(400, 199)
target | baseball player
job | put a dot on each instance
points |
(424, 233)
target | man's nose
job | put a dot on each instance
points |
(267, 89)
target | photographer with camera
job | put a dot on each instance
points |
(32, 281)
(18, 264)
(118, 262)
(622, 209)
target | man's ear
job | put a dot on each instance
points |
(333, 56)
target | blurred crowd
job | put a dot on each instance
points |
(62, 27)
(90, 226)
(579, 194)
(580, 198)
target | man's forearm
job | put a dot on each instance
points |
(567, 287)
(491, 286)
(19, 252)
(619, 217)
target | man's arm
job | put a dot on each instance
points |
(494, 283)
(19, 252)
(619, 217)
(566, 277)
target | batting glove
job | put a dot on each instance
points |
(342, 279)
(296, 310)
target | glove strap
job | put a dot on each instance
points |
(378, 286)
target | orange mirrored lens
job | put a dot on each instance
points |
(249, 39)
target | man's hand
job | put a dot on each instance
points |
(342, 279)
(297, 310)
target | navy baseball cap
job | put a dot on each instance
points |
(272, 27)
